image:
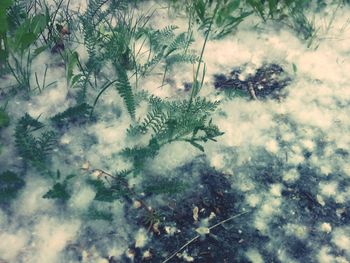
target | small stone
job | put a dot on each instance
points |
(326, 227)
(137, 204)
(195, 214)
(203, 230)
(147, 255)
(85, 166)
(97, 174)
(130, 253)
(212, 215)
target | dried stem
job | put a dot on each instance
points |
(196, 237)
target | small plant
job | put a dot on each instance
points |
(31, 147)
(170, 122)
(222, 16)
(73, 114)
(60, 188)
(19, 53)
(10, 184)
(4, 118)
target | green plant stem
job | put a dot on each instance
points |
(100, 93)
(126, 185)
(196, 87)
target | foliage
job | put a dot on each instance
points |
(290, 12)
(166, 47)
(95, 214)
(60, 189)
(228, 15)
(72, 114)
(170, 122)
(35, 149)
(112, 31)
(18, 36)
(109, 193)
(125, 91)
(10, 184)
(4, 118)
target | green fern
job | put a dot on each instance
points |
(181, 58)
(72, 114)
(167, 47)
(10, 184)
(33, 148)
(4, 118)
(60, 190)
(125, 91)
(170, 122)
(108, 193)
(139, 155)
(154, 120)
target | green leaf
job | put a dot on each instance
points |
(94, 214)
(199, 6)
(29, 31)
(10, 184)
(232, 6)
(25, 40)
(39, 50)
(197, 145)
(72, 114)
(58, 191)
(105, 194)
(4, 118)
(4, 4)
(38, 24)
(272, 7)
(70, 176)
(73, 59)
(33, 148)
(125, 91)
(75, 79)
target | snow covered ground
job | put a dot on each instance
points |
(286, 159)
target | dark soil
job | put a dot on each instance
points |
(267, 82)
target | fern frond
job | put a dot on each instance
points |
(139, 155)
(125, 91)
(154, 120)
(165, 34)
(180, 42)
(10, 184)
(34, 149)
(151, 63)
(72, 114)
(182, 58)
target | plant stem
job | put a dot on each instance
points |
(196, 237)
(196, 87)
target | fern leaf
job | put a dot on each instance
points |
(34, 149)
(182, 58)
(73, 113)
(10, 184)
(180, 42)
(125, 91)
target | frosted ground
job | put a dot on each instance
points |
(285, 162)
